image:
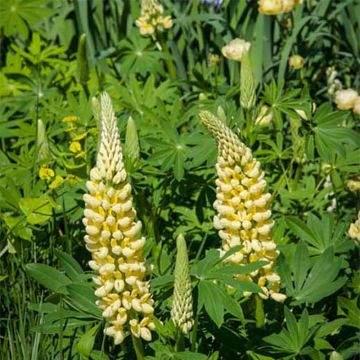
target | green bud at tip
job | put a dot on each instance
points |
(82, 61)
(43, 151)
(247, 84)
(132, 146)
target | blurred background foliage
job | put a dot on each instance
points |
(57, 54)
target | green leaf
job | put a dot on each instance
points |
(86, 342)
(82, 297)
(58, 326)
(188, 355)
(211, 296)
(36, 210)
(311, 283)
(294, 338)
(48, 277)
(352, 310)
(70, 265)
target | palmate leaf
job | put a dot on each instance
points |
(138, 55)
(330, 135)
(321, 233)
(309, 283)
(292, 339)
(211, 297)
(215, 279)
(351, 309)
(15, 15)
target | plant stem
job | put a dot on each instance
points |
(179, 346)
(194, 334)
(168, 57)
(259, 312)
(139, 350)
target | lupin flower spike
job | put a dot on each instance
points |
(152, 19)
(113, 237)
(182, 306)
(243, 214)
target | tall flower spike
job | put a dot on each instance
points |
(113, 237)
(243, 214)
(182, 306)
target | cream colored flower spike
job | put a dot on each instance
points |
(113, 237)
(243, 211)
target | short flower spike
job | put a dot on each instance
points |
(113, 237)
(243, 211)
(182, 305)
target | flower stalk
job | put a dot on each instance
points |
(243, 211)
(113, 238)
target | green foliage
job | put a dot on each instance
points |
(57, 55)
(310, 280)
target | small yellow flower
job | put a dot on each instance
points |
(265, 117)
(46, 173)
(296, 62)
(214, 59)
(75, 147)
(70, 119)
(345, 99)
(56, 182)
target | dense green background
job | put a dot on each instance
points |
(307, 164)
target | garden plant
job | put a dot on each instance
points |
(179, 179)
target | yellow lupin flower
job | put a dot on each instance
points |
(151, 19)
(276, 7)
(265, 116)
(243, 214)
(113, 238)
(56, 182)
(46, 173)
(75, 147)
(296, 62)
(354, 229)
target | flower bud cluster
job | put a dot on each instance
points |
(265, 116)
(113, 239)
(236, 49)
(276, 7)
(354, 230)
(348, 99)
(151, 19)
(242, 205)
